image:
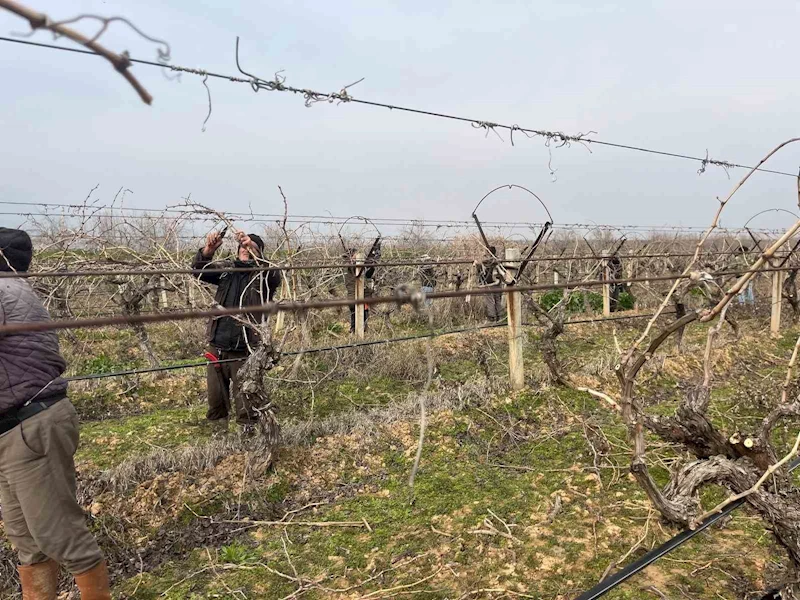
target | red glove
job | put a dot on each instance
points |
(212, 358)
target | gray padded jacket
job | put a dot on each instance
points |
(30, 363)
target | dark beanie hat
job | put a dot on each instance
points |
(17, 250)
(258, 241)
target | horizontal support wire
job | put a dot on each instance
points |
(401, 297)
(344, 97)
(408, 338)
(320, 266)
(152, 213)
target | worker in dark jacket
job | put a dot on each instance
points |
(232, 337)
(38, 439)
(615, 273)
(427, 277)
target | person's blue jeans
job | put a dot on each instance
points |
(428, 290)
(746, 296)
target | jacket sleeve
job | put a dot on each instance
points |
(201, 262)
(274, 281)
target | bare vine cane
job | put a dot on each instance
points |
(554, 328)
(632, 351)
(121, 62)
(202, 209)
(406, 295)
(366, 221)
(541, 238)
(742, 468)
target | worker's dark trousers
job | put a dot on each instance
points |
(616, 290)
(223, 383)
(494, 306)
(353, 319)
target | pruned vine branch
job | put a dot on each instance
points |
(120, 61)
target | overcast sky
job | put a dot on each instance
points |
(676, 75)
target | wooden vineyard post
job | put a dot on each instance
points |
(279, 319)
(360, 279)
(556, 276)
(190, 295)
(514, 313)
(606, 290)
(164, 301)
(777, 302)
(631, 274)
(587, 304)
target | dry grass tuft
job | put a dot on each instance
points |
(206, 455)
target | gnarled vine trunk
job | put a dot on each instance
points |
(254, 387)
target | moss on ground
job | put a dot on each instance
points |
(447, 536)
(107, 443)
(549, 463)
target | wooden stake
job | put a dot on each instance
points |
(279, 319)
(164, 301)
(514, 313)
(190, 294)
(360, 280)
(606, 291)
(777, 302)
(631, 274)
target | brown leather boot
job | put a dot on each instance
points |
(93, 584)
(39, 581)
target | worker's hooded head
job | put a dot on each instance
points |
(258, 242)
(16, 248)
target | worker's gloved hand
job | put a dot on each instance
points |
(212, 358)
